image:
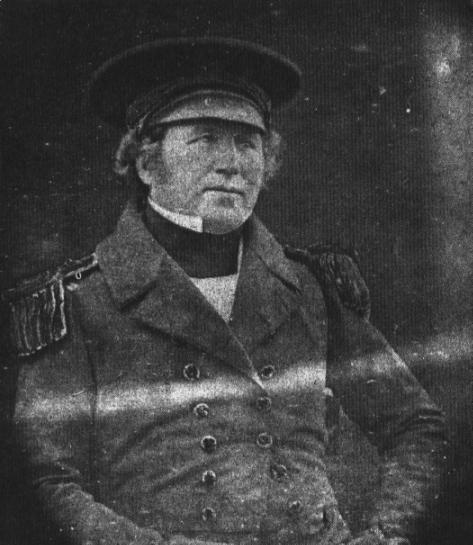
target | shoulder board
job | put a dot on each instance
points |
(36, 306)
(334, 267)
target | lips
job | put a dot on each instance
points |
(225, 190)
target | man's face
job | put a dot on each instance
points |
(211, 169)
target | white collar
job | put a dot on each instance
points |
(194, 223)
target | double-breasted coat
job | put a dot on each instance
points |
(153, 417)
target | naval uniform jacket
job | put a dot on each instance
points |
(154, 418)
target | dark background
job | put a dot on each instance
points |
(379, 157)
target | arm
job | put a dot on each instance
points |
(54, 422)
(54, 425)
(378, 391)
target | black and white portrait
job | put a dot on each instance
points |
(236, 285)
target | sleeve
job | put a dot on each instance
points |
(54, 428)
(379, 393)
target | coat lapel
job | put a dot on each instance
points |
(148, 285)
(178, 308)
(267, 291)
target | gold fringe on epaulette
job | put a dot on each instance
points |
(338, 269)
(37, 319)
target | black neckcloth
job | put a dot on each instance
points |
(201, 255)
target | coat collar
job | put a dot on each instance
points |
(147, 283)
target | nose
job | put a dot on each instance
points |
(228, 159)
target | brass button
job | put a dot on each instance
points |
(278, 471)
(208, 514)
(267, 372)
(191, 372)
(263, 403)
(201, 409)
(264, 440)
(209, 477)
(294, 507)
(208, 443)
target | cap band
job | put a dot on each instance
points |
(206, 104)
(163, 98)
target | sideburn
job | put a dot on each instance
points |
(137, 188)
(150, 163)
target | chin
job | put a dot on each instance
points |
(224, 221)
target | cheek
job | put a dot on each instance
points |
(253, 169)
(187, 167)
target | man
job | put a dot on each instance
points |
(174, 390)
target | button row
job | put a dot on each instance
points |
(192, 373)
(202, 410)
(294, 508)
(277, 471)
(264, 440)
(208, 443)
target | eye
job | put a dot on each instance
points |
(246, 141)
(205, 138)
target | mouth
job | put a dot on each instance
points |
(221, 189)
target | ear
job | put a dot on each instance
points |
(143, 173)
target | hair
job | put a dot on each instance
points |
(146, 148)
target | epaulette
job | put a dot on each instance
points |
(333, 266)
(36, 306)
